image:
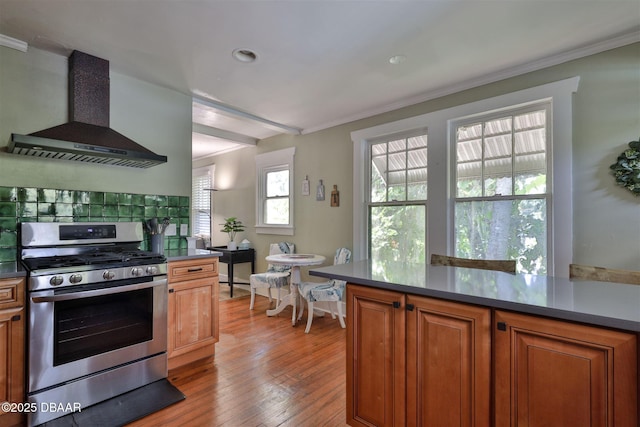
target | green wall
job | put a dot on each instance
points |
(33, 96)
(606, 118)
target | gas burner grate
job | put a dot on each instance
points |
(118, 258)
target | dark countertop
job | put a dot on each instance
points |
(9, 270)
(185, 254)
(612, 305)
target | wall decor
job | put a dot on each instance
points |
(305, 186)
(626, 169)
(320, 191)
(335, 196)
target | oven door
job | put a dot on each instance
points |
(79, 333)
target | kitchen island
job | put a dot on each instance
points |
(456, 346)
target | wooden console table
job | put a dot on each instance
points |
(231, 257)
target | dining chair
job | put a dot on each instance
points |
(330, 291)
(602, 274)
(276, 276)
(508, 266)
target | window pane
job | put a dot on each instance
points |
(278, 183)
(509, 229)
(397, 233)
(378, 173)
(201, 203)
(397, 186)
(511, 152)
(398, 174)
(417, 158)
(276, 211)
(497, 126)
(417, 141)
(469, 161)
(530, 153)
(397, 161)
(399, 145)
(399, 170)
(417, 186)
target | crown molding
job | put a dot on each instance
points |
(560, 58)
(13, 43)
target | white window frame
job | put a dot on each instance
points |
(543, 105)
(367, 195)
(441, 167)
(270, 162)
(205, 194)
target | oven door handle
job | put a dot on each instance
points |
(99, 292)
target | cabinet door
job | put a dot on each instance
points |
(448, 363)
(375, 357)
(553, 373)
(11, 358)
(193, 315)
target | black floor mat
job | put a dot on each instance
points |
(123, 409)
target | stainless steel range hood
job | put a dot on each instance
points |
(87, 136)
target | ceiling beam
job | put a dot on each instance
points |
(223, 134)
(243, 114)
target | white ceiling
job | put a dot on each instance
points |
(320, 63)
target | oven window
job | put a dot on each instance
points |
(90, 326)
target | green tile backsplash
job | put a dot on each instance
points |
(19, 204)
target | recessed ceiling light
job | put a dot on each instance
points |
(244, 55)
(397, 59)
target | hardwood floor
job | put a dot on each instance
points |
(265, 373)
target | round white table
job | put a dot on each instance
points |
(295, 261)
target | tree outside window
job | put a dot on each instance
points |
(501, 188)
(397, 201)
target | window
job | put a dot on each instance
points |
(274, 192)
(397, 200)
(201, 187)
(501, 187)
(506, 154)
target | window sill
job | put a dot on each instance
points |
(284, 230)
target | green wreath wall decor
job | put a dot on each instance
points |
(627, 169)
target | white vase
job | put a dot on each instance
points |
(232, 246)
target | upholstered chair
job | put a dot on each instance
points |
(276, 276)
(331, 290)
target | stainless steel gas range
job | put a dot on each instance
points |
(97, 314)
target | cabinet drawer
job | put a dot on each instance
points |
(193, 269)
(11, 293)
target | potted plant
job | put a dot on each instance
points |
(231, 226)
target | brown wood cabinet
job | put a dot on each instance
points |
(448, 363)
(192, 309)
(376, 351)
(555, 373)
(416, 361)
(12, 345)
(420, 361)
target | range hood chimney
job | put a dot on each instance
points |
(87, 136)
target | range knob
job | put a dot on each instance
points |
(108, 275)
(152, 269)
(56, 280)
(136, 271)
(75, 278)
